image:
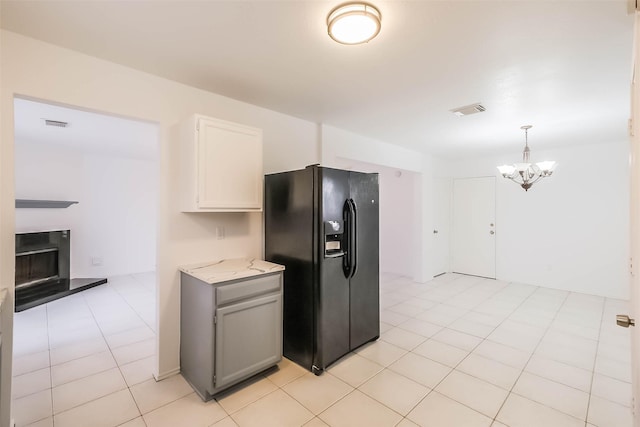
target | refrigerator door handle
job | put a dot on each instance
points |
(350, 261)
(353, 245)
(347, 260)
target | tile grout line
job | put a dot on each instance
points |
(550, 325)
(118, 366)
(230, 414)
(130, 306)
(528, 360)
(97, 323)
(595, 359)
(309, 409)
(50, 367)
(134, 309)
(433, 389)
(141, 415)
(358, 387)
(493, 419)
(46, 311)
(485, 339)
(14, 398)
(116, 362)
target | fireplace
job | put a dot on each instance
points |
(43, 268)
(42, 257)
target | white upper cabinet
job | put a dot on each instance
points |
(221, 166)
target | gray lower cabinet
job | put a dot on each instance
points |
(229, 331)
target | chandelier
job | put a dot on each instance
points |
(526, 174)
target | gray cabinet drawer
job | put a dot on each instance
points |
(247, 289)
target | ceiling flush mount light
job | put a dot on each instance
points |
(526, 173)
(353, 23)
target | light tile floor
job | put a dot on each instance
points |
(458, 351)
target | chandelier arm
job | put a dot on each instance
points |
(515, 177)
(539, 177)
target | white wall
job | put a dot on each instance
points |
(7, 271)
(115, 218)
(569, 231)
(338, 145)
(397, 227)
(42, 71)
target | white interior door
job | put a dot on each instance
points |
(473, 237)
(635, 226)
(441, 226)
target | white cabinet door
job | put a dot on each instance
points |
(229, 163)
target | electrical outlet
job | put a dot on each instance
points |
(96, 260)
(220, 232)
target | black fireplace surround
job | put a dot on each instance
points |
(43, 269)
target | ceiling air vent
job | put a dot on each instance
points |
(56, 123)
(468, 109)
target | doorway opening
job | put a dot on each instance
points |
(88, 182)
(397, 236)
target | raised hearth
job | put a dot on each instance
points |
(42, 293)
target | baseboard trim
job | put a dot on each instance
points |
(167, 374)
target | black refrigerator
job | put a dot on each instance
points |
(322, 225)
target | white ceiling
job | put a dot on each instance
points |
(562, 66)
(87, 132)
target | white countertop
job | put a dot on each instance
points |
(229, 269)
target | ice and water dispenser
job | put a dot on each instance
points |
(333, 232)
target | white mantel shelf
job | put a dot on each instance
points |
(229, 269)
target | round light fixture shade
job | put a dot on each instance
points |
(354, 23)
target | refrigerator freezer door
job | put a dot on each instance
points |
(289, 240)
(332, 302)
(365, 283)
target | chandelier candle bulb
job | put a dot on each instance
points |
(526, 174)
(506, 170)
(546, 166)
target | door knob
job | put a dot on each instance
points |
(435, 231)
(492, 232)
(625, 321)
